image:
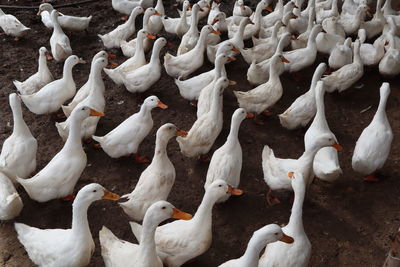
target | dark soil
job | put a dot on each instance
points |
(348, 222)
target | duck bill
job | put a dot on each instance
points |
(110, 196)
(214, 21)
(235, 191)
(96, 113)
(161, 105)
(290, 175)
(286, 239)
(156, 13)
(181, 133)
(250, 115)
(112, 65)
(150, 36)
(111, 56)
(178, 214)
(234, 49)
(337, 147)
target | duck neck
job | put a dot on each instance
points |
(80, 224)
(203, 216)
(20, 126)
(147, 244)
(155, 55)
(251, 255)
(296, 217)
(74, 141)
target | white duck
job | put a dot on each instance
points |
(303, 57)
(374, 26)
(264, 49)
(206, 94)
(351, 23)
(265, 95)
(10, 201)
(120, 253)
(347, 75)
(156, 180)
(226, 162)
(370, 54)
(122, 32)
(155, 23)
(35, 82)
(93, 80)
(50, 98)
(373, 146)
(258, 73)
(177, 26)
(59, 42)
(250, 29)
(179, 241)
(326, 163)
(191, 37)
(58, 178)
(390, 63)
(129, 48)
(297, 253)
(302, 40)
(237, 41)
(341, 55)
(275, 169)
(206, 128)
(136, 61)
(190, 89)
(240, 9)
(68, 23)
(65, 247)
(125, 139)
(303, 109)
(95, 100)
(126, 6)
(12, 26)
(268, 234)
(18, 154)
(183, 65)
(142, 78)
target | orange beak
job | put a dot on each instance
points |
(250, 115)
(181, 133)
(112, 65)
(110, 196)
(234, 49)
(231, 58)
(150, 36)
(161, 105)
(96, 113)
(268, 8)
(156, 13)
(290, 175)
(287, 239)
(178, 214)
(214, 21)
(216, 32)
(337, 147)
(111, 56)
(234, 191)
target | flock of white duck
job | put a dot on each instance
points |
(288, 39)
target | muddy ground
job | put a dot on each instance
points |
(348, 222)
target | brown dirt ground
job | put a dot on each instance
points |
(348, 222)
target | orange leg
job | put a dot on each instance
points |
(140, 159)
